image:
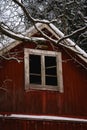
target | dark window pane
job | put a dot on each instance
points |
(35, 79)
(51, 81)
(50, 70)
(35, 64)
(35, 69)
(50, 65)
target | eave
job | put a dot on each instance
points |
(68, 43)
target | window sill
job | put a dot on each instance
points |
(41, 87)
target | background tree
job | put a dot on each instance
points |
(68, 15)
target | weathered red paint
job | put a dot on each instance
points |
(15, 99)
(40, 125)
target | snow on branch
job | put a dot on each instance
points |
(10, 33)
(72, 34)
(11, 58)
(30, 17)
(19, 37)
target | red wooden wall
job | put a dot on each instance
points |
(15, 99)
(40, 125)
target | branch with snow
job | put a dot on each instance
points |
(30, 17)
(19, 37)
(10, 58)
(83, 29)
(10, 33)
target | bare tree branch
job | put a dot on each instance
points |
(30, 17)
(72, 34)
(4, 86)
(11, 58)
(19, 37)
(5, 29)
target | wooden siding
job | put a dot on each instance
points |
(16, 100)
(7, 124)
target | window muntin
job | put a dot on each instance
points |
(43, 70)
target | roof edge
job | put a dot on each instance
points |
(56, 32)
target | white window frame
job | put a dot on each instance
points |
(42, 86)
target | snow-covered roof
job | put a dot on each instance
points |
(68, 43)
(72, 44)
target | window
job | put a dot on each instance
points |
(43, 70)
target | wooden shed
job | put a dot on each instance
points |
(47, 89)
